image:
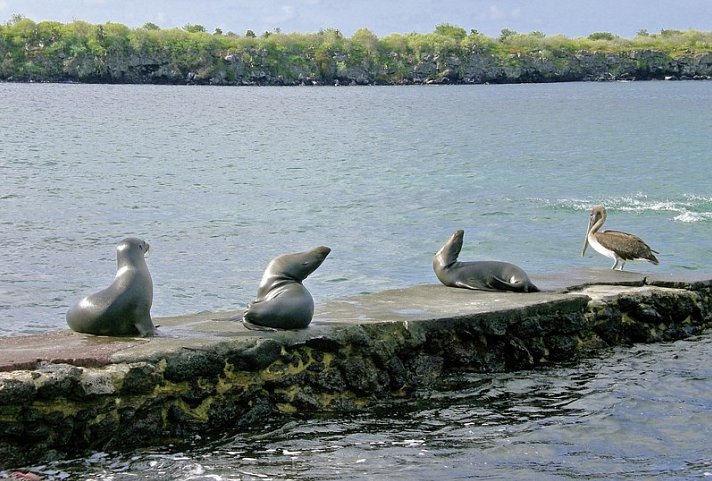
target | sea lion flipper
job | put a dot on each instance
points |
(144, 330)
(500, 284)
(465, 285)
(256, 327)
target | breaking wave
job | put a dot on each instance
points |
(688, 208)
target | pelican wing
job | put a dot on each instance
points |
(627, 246)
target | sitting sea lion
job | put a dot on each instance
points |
(123, 308)
(282, 301)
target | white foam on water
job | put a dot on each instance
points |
(689, 208)
(689, 217)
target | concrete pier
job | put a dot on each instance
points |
(63, 393)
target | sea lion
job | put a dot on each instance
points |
(123, 308)
(481, 275)
(282, 301)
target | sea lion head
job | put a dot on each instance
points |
(450, 251)
(300, 265)
(131, 250)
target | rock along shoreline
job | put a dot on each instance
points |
(259, 67)
(65, 394)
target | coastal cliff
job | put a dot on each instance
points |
(255, 66)
(113, 53)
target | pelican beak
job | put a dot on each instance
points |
(585, 239)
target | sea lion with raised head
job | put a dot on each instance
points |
(282, 300)
(479, 275)
(123, 308)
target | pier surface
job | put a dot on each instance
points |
(63, 393)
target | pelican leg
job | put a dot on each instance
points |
(618, 265)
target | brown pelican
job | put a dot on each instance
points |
(619, 246)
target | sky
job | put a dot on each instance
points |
(573, 18)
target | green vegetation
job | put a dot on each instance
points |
(114, 53)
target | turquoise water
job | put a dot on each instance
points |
(220, 180)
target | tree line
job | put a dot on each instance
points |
(81, 51)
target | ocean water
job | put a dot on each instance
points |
(220, 180)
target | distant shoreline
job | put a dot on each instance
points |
(80, 52)
(316, 85)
